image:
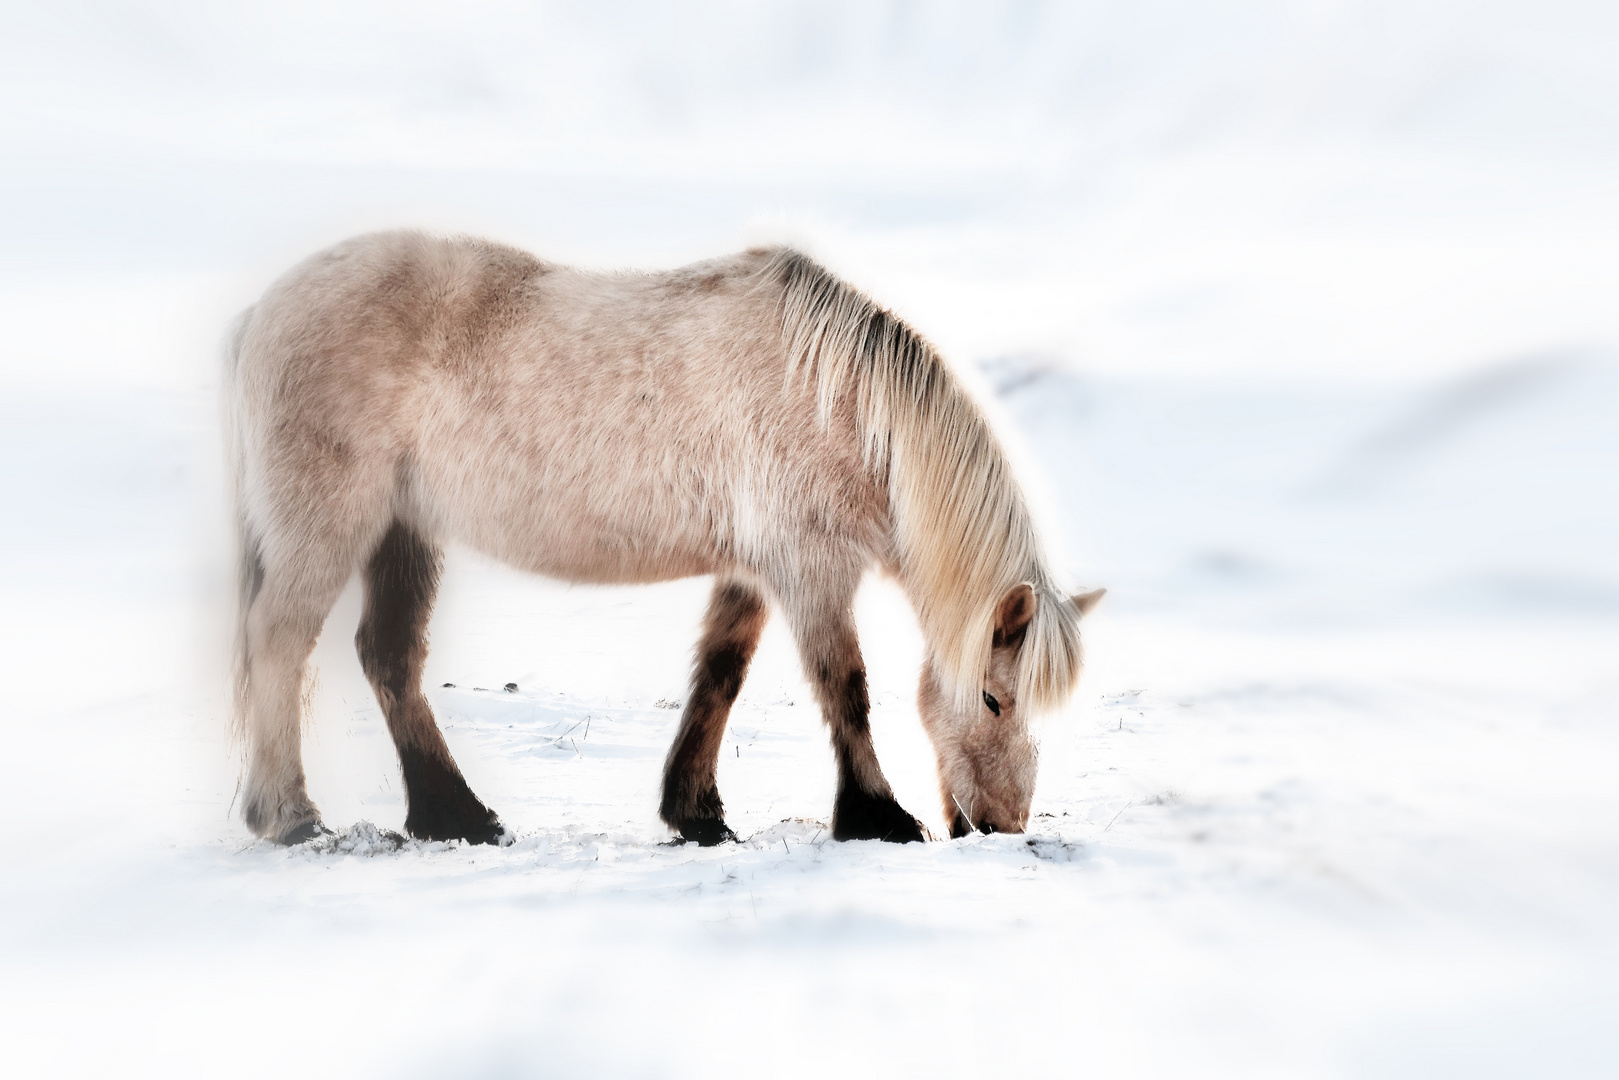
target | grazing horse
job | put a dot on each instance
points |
(750, 417)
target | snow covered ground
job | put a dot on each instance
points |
(1301, 320)
(1302, 820)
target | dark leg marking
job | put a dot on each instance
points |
(865, 808)
(859, 815)
(441, 805)
(691, 798)
(401, 582)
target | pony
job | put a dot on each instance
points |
(750, 417)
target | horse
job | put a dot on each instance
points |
(751, 417)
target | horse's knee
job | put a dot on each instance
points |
(384, 662)
(853, 702)
(285, 622)
(401, 580)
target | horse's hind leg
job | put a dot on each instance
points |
(287, 608)
(401, 581)
(823, 624)
(691, 798)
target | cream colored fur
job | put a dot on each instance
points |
(750, 416)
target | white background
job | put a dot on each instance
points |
(1301, 320)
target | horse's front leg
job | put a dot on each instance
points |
(830, 651)
(691, 797)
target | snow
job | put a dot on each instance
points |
(1295, 824)
(1318, 379)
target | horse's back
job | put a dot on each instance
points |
(404, 313)
(594, 426)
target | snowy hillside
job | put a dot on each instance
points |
(1498, 488)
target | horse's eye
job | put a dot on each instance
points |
(994, 706)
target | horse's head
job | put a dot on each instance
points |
(987, 754)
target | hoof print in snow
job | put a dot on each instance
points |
(1055, 849)
(361, 838)
(510, 688)
(449, 686)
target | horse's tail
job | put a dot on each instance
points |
(964, 535)
(249, 562)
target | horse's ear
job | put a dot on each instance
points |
(1012, 618)
(1086, 600)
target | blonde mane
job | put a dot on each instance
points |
(963, 534)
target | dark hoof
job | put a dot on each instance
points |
(859, 816)
(441, 806)
(698, 820)
(303, 833)
(475, 826)
(707, 832)
(491, 833)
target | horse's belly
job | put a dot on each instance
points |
(579, 529)
(596, 558)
